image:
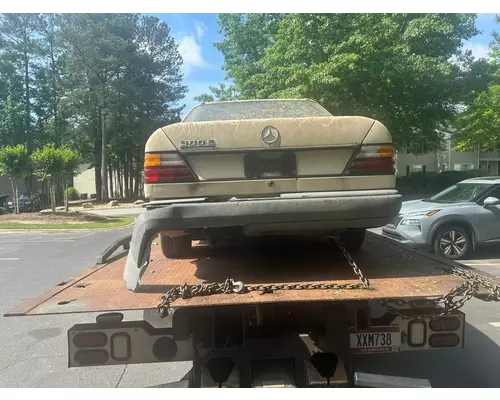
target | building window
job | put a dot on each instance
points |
(417, 168)
(463, 167)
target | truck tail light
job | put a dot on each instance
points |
(121, 346)
(417, 333)
(373, 160)
(92, 357)
(166, 168)
(90, 339)
(444, 340)
(444, 324)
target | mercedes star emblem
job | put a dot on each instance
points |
(269, 135)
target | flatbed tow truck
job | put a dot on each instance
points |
(253, 328)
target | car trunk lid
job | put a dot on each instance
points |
(269, 148)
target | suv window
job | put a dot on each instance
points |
(493, 193)
(461, 193)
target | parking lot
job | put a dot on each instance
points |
(33, 349)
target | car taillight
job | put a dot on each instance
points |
(373, 160)
(166, 168)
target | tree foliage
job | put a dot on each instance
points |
(221, 93)
(99, 83)
(407, 70)
(54, 164)
(14, 163)
(479, 123)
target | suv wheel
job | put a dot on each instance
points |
(353, 239)
(175, 246)
(452, 242)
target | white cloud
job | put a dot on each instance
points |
(200, 29)
(479, 50)
(190, 51)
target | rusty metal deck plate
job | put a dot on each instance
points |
(394, 271)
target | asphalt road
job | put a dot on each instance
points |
(33, 349)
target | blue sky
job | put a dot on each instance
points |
(196, 33)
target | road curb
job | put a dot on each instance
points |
(68, 230)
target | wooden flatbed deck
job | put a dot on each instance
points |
(394, 271)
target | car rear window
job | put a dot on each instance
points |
(262, 109)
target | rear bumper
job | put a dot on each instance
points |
(307, 211)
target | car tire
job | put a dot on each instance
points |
(452, 242)
(353, 239)
(175, 246)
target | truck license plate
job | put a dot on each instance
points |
(378, 339)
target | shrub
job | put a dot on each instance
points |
(3, 210)
(427, 183)
(72, 194)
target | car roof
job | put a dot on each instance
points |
(492, 180)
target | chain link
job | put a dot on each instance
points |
(465, 291)
(230, 286)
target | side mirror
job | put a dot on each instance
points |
(491, 201)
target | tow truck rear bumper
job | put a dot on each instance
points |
(335, 210)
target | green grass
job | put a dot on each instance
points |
(112, 223)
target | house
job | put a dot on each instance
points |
(84, 181)
(6, 186)
(447, 159)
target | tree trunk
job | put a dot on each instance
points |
(57, 129)
(119, 179)
(14, 197)
(44, 194)
(27, 107)
(137, 172)
(17, 196)
(117, 192)
(97, 161)
(125, 176)
(66, 199)
(53, 194)
(130, 175)
(104, 155)
(98, 184)
(111, 191)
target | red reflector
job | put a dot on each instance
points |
(91, 357)
(165, 174)
(444, 324)
(372, 166)
(90, 339)
(444, 340)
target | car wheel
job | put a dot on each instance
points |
(452, 242)
(353, 239)
(175, 246)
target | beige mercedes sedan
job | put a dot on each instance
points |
(269, 167)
